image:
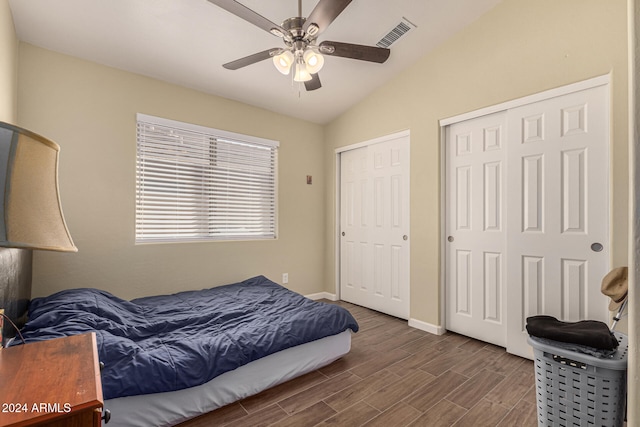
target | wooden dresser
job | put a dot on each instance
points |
(53, 383)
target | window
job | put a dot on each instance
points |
(195, 183)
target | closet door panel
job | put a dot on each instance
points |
(475, 258)
(558, 206)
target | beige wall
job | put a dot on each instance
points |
(90, 110)
(8, 66)
(519, 48)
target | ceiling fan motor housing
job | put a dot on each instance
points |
(294, 26)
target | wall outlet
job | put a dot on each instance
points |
(285, 278)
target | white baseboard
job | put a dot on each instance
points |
(322, 295)
(414, 323)
(427, 327)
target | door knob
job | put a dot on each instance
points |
(450, 238)
(405, 237)
(343, 233)
(597, 247)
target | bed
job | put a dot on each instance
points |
(170, 358)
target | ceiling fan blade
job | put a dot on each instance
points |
(324, 13)
(249, 15)
(252, 59)
(314, 83)
(355, 51)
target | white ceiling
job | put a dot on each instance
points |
(186, 42)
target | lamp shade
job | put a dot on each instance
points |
(30, 211)
(283, 62)
(302, 75)
(314, 61)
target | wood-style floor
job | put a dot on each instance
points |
(396, 376)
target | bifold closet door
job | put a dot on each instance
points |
(374, 226)
(475, 246)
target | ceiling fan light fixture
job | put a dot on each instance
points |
(302, 74)
(299, 35)
(283, 62)
(314, 61)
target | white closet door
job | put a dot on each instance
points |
(475, 254)
(558, 234)
(374, 218)
(355, 267)
(527, 217)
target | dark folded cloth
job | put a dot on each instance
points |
(590, 333)
(591, 351)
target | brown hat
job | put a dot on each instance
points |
(614, 285)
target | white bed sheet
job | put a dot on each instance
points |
(170, 408)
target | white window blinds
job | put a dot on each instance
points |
(196, 183)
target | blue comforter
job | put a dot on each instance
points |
(171, 342)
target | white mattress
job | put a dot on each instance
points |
(170, 408)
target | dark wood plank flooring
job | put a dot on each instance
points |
(396, 376)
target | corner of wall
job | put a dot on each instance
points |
(8, 65)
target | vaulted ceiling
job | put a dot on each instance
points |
(186, 42)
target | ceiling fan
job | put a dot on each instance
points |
(302, 53)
